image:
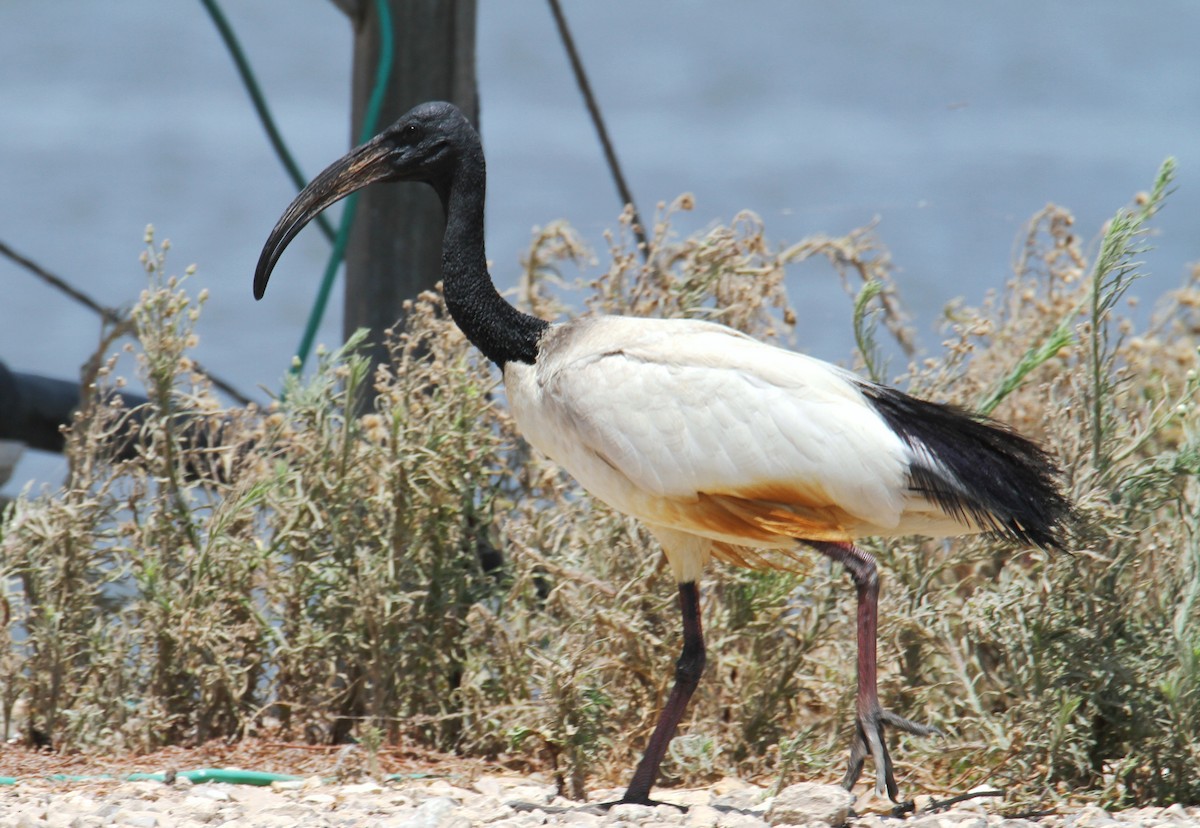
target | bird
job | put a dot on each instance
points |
(723, 446)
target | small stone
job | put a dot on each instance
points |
(136, 819)
(400, 818)
(809, 802)
(729, 784)
(433, 812)
(287, 785)
(687, 798)
(605, 795)
(499, 786)
(533, 794)
(1093, 817)
(442, 788)
(521, 821)
(1049, 821)
(629, 812)
(146, 789)
(746, 798)
(926, 821)
(702, 816)
(58, 819)
(108, 810)
(922, 802)
(361, 789)
(739, 819)
(199, 808)
(79, 802)
(320, 799)
(89, 821)
(987, 791)
(290, 808)
(282, 821)
(956, 817)
(1175, 813)
(214, 792)
(961, 819)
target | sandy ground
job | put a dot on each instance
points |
(409, 787)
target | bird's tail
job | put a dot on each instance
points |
(977, 470)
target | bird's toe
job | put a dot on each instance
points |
(869, 741)
(890, 719)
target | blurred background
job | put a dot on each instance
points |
(948, 123)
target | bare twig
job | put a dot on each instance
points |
(109, 315)
(610, 154)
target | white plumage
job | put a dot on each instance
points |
(699, 429)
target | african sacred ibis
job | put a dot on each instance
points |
(720, 444)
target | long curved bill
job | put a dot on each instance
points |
(356, 169)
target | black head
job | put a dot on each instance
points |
(424, 145)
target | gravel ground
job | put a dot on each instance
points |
(491, 800)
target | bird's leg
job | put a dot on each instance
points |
(869, 716)
(687, 676)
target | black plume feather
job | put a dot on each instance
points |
(978, 469)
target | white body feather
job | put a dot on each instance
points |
(713, 438)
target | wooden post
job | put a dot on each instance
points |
(394, 249)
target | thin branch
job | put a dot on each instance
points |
(109, 315)
(610, 154)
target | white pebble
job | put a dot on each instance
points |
(199, 808)
(136, 819)
(218, 793)
(702, 816)
(629, 813)
(287, 785)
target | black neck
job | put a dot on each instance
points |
(495, 327)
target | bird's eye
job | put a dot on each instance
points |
(410, 134)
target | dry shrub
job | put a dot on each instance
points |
(418, 572)
(128, 586)
(1072, 672)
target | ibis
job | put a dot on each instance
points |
(721, 445)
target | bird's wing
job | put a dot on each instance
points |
(740, 433)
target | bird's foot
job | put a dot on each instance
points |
(597, 808)
(869, 741)
(644, 801)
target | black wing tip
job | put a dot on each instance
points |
(1041, 514)
(1044, 517)
(999, 480)
(1054, 533)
